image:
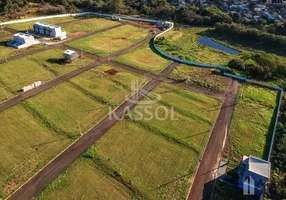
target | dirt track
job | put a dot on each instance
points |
(17, 99)
(41, 180)
(202, 187)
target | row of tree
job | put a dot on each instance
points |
(251, 35)
(162, 9)
(260, 66)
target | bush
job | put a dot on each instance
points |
(237, 64)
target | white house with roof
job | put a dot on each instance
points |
(22, 40)
(253, 175)
(49, 30)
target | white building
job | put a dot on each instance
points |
(49, 30)
(70, 56)
(22, 40)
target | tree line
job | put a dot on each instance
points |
(162, 9)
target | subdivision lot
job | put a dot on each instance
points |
(83, 180)
(110, 41)
(144, 58)
(108, 84)
(26, 144)
(66, 109)
(82, 27)
(145, 150)
(24, 26)
(203, 77)
(141, 157)
(252, 124)
(41, 66)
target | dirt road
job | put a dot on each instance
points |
(53, 46)
(201, 187)
(44, 177)
(17, 99)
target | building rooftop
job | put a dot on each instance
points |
(258, 166)
(23, 35)
(69, 52)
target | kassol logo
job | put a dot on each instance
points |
(148, 105)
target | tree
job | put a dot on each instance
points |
(236, 17)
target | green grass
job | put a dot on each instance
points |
(6, 52)
(203, 77)
(41, 66)
(4, 33)
(251, 125)
(144, 58)
(109, 89)
(64, 108)
(26, 144)
(110, 41)
(144, 151)
(83, 180)
(194, 113)
(87, 26)
(183, 43)
(29, 25)
(156, 167)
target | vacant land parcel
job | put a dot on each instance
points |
(84, 180)
(84, 26)
(24, 26)
(252, 124)
(142, 154)
(202, 77)
(108, 84)
(26, 144)
(110, 41)
(144, 58)
(42, 66)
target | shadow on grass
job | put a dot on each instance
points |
(270, 133)
(197, 134)
(169, 182)
(53, 141)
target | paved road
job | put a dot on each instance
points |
(163, 78)
(58, 45)
(18, 99)
(44, 177)
(201, 187)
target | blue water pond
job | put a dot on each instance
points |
(210, 43)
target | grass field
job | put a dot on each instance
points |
(150, 163)
(144, 151)
(87, 26)
(203, 77)
(26, 144)
(107, 88)
(66, 109)
(147, 160)
(83, 180)
(183, 43)
(4, 33)
(6, 52)
(29, 25)
(110, 41)
(41, 66)
(251, 125)
(144, 58)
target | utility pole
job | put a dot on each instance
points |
(5, 92)
(79, 127)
